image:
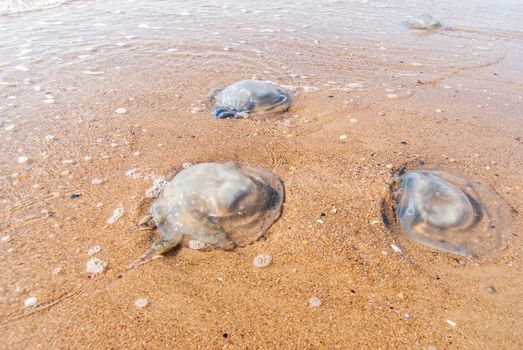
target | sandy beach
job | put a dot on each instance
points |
(369, 97)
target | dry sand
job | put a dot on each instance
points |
(461, 113)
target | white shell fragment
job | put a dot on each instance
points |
(22, 159)
(141, 303)
(246, 96)
(121, 110)
(95, 266)
(262, 260)
(117, 213)
(31, 302)
(97, 181)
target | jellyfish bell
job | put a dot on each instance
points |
(448, 212)
(423, 21)
(216, 205)
(248, 96)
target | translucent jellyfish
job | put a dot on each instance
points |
(424, 21)
(220, 205)
(246, 96)
(448, 212)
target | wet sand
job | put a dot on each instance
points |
(451, 98)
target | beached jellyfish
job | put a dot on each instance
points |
(220, 205)
(424, 21)
(247, 96)
(448, 212)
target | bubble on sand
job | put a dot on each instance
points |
(31, 302)
(93, 250)
(262, 260)
(95, 266)
(134, 173)
(315, 302)
(157, 187)
(141, 303)
(448, 212)
(196, 245)
(117, 213)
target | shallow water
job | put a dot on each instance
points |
(101, 99)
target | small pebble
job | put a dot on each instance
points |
(389, 166)
(392, 96)
(262, 260)
(353, 120)
(490, 289)
(342, 137)
(5, 239)
(93, 250)
(141, 303)
(315, 302)
(95, 266)
(31, 302)
(75, 195)
(451, 323)
(56, 270)
(22, 159)
(439, 111)
(97, 181)
(121, 110)
(9, 127)
(396, 249)
(49, 137)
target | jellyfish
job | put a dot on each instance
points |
(447, 212)
(423, 21)
(216, 205)
(248, 96)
